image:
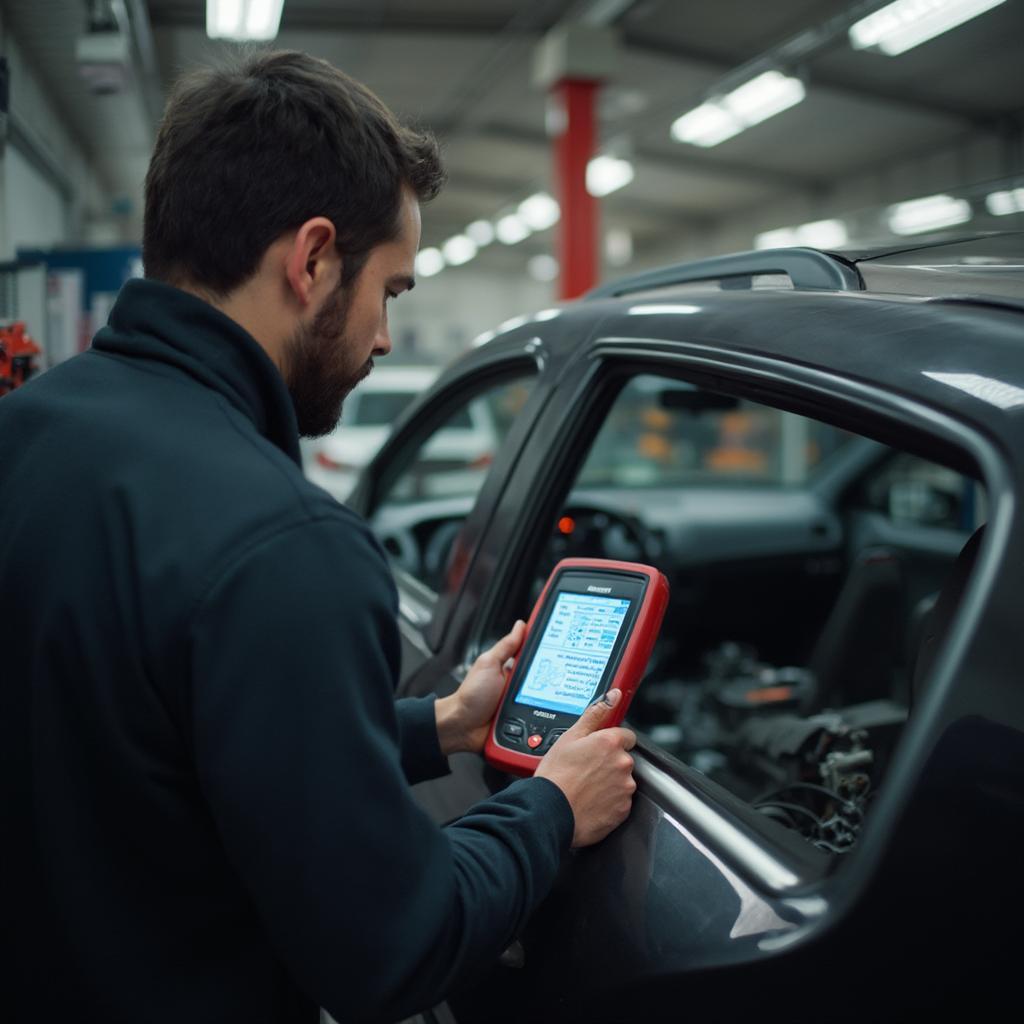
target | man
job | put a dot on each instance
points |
(207, 813)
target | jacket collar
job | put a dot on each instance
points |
(155, 321)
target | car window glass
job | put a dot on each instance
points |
(667, 433)
(419, 516)
(785, 663)
(378, 408)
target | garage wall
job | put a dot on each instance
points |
(443, 314)
(47, 188)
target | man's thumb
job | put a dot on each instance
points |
(597, 714)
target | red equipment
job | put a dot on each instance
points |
(592, 629)
(17, 356)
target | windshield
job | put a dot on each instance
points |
(666, 433)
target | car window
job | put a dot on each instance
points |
(418, 517)
(784, 667)
(667, 433)
(378, 408)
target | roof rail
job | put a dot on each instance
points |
(806, 268)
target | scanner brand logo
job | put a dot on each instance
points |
(544, 714)
(599, 590)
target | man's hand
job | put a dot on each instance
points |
(591, 766)
(464, 718)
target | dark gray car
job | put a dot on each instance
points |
(824, 455)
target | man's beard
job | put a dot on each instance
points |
(319, 369)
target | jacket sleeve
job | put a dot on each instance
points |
(418, 740)
(374, 909)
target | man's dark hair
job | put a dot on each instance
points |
(249, 152)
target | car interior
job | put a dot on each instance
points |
(805, 564)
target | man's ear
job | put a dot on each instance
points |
(312, 263)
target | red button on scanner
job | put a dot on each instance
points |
(535, 740)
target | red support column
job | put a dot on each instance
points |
(577, 229)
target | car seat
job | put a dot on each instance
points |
(858, 648)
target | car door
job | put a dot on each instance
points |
(698, 882)
(429, 496)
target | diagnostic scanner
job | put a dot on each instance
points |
(592, 630)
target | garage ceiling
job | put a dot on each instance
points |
(463, 68)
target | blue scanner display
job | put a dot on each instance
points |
(572, 654)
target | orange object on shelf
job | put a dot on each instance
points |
(17, 356)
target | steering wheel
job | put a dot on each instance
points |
(587, 531)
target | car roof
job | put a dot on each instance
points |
(981, 265)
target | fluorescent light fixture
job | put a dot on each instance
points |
(542, 267)
(539, 212)
(818, 234)
(999, 204)
(779, 238)
(243, 19)
(927, 214)
(607, 174)
(719, 119)
(902, 25)
(618, 246)
(481, 232)
(823, 234)
(764, 96)
(458, 249)
(429, 262)
(706, 125)
(510, 229)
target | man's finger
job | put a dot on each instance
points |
(509, 644)
(597, 714)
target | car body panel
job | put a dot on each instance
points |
(698, 901)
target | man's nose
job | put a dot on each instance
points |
(382, 345)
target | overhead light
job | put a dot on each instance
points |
(818, 234)
(539, 212)
(607, 174)
(999, 204)
(543, 267)
(823, 234)
(706, 125)
(243, 19)
(618, 246)
(458, 250)
(429, 262)
(902, 25)
(779, 238)
(928, 214)
(510, 229)
(482, 232)
(719, 119)
(764, 96)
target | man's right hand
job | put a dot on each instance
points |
(591, 766)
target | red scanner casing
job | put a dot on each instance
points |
(627, 673)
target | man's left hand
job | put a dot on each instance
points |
(464, 717)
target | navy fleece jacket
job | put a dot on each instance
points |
(207, 812)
